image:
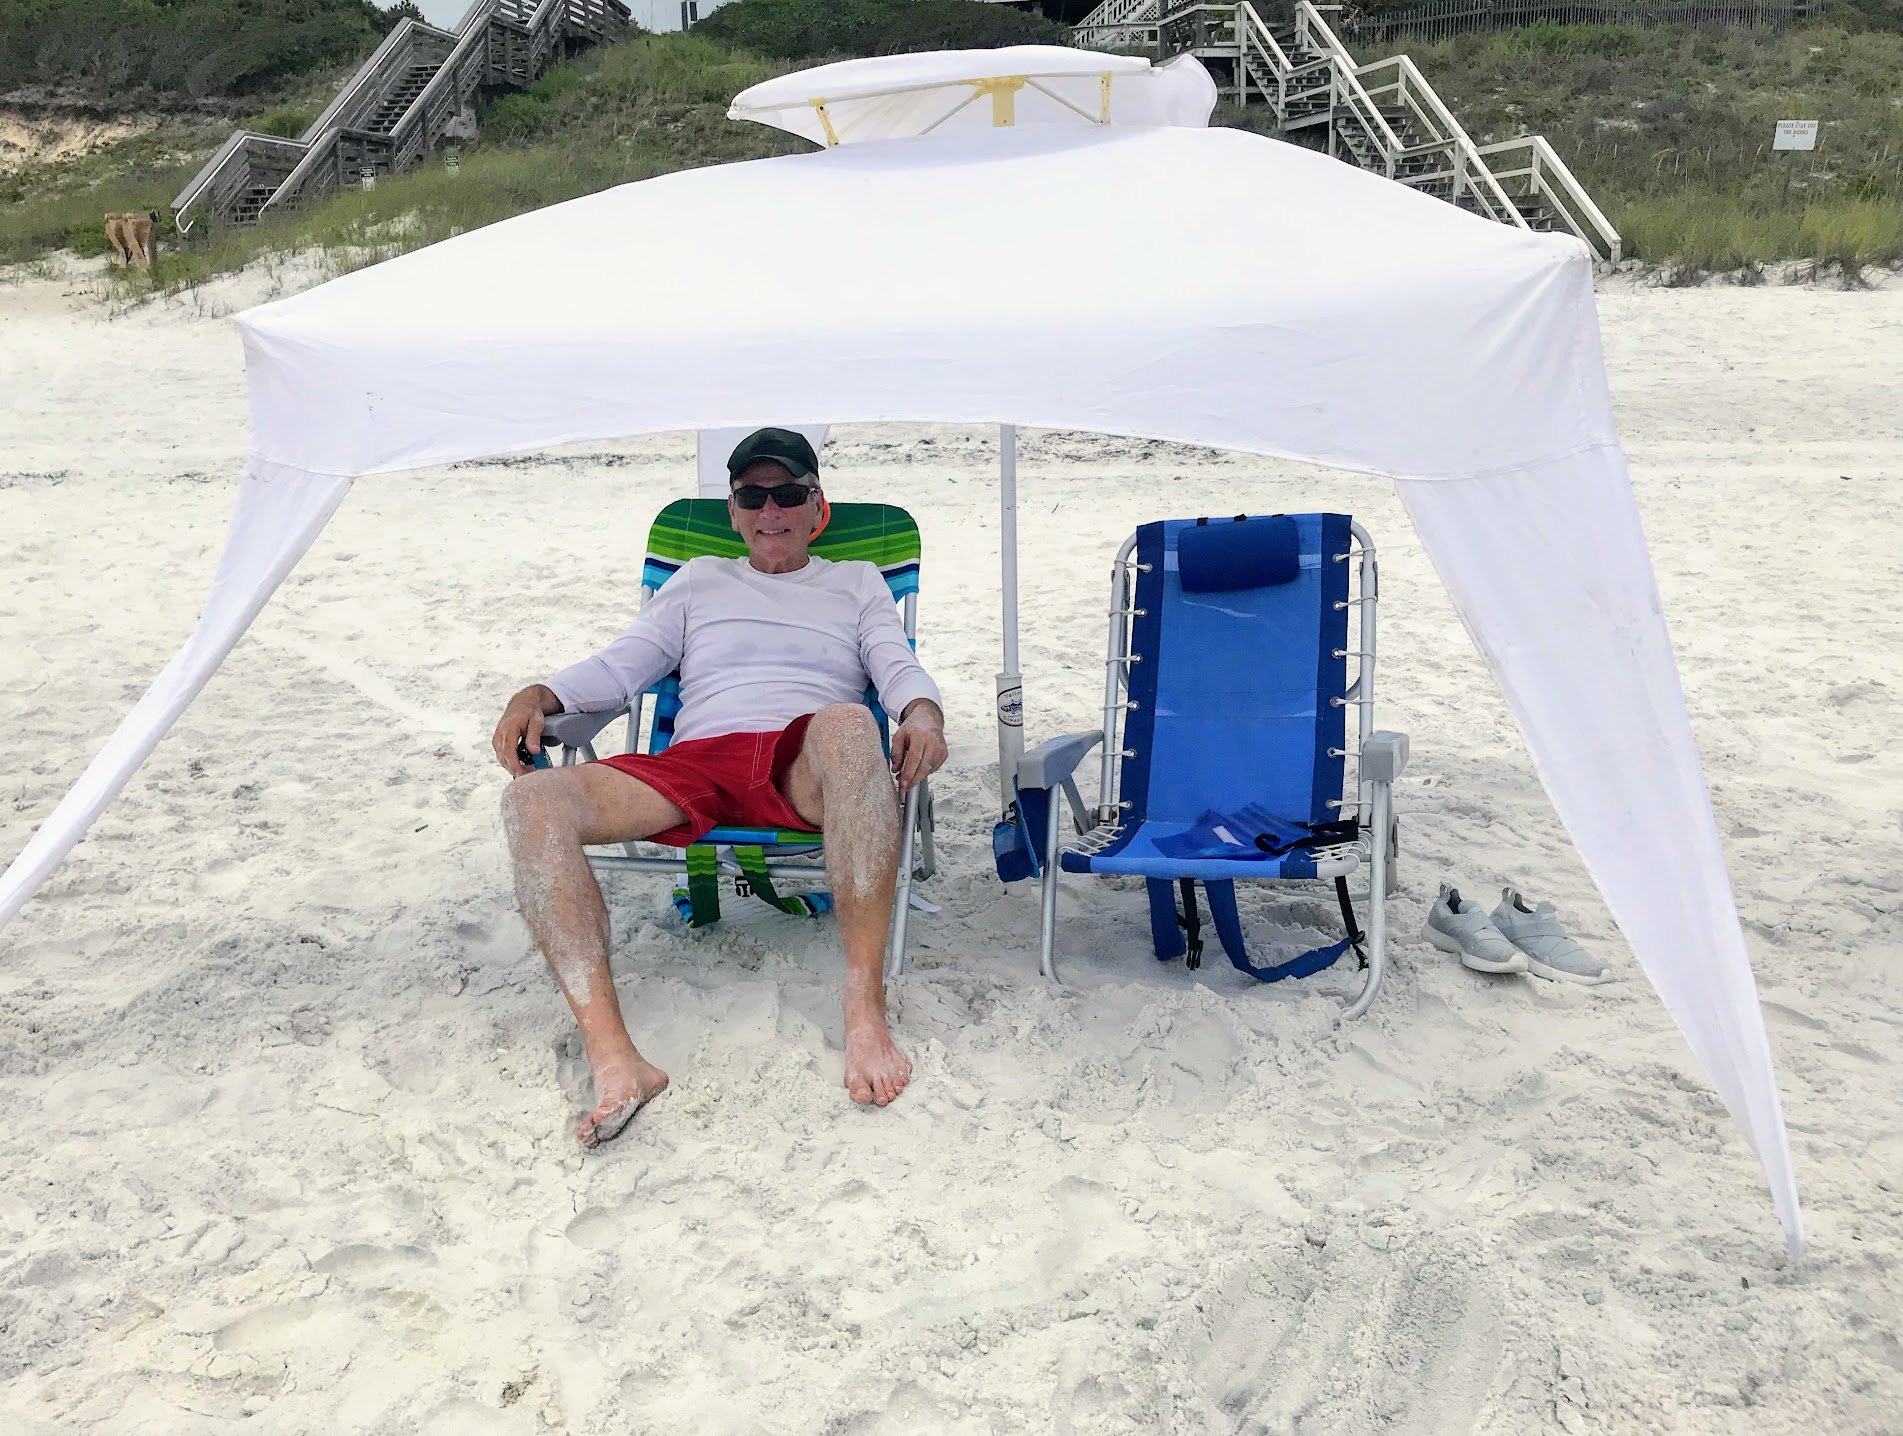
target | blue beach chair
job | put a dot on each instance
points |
(1230, 673)
(758, 861)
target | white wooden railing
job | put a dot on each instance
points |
(1315, 79)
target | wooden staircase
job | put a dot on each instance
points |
(1382, 116)
(416, 90)
(399, 97)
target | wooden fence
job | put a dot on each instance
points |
(1439, 19)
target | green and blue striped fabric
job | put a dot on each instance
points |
(879, 534)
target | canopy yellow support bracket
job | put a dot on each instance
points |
(1003, 90)
(826, 122)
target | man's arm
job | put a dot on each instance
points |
(886, 653)
(605, 681)
(905, 688)
(650, 650)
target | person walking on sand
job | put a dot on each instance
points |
(774, 651)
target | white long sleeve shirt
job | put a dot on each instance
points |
(755, 650)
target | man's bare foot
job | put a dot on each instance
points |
(876, 1071)
(623, 1086)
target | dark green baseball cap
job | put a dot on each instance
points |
(787, 447)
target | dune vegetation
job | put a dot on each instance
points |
(1669, 129)
(1671, 132)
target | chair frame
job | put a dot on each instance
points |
(1378, 757)
(576, 733)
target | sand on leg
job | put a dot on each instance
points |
(548, 817)
(840, 783)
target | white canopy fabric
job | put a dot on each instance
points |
(1207, 286)
(955, 91)
(712, 447)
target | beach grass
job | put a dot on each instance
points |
(1709, 232)
(74, 218)
(646, 107)
(1670, 130)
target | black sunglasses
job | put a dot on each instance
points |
(785, 496)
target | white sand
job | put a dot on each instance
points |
(285, 1132)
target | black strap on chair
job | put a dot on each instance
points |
(1191, 922)
(1355, 935)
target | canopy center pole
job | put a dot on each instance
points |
(1010, 681)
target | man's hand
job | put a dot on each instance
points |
(522, 723)
(918, 743)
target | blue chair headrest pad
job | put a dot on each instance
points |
(1225, 555)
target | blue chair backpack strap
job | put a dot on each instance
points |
(1166, 928)
(1222, 910)
(1169, 929)
(1175, 932)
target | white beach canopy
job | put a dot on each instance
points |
(894, 97)
(1289, 305)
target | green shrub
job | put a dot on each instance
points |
(1705, 231)
(290, 121)
(810, 29)
(75, 219)
(1669, 130)
(660, 95)
(1866, 14)
(517, 116)
(1674, 139)
(88, 238)
(194, 47)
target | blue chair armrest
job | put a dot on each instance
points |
(1383, 757)
(1055, 759)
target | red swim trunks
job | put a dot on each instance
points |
(729, 781)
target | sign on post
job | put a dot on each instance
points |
(367, 177)
(1795, 135)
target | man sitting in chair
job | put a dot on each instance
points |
(774, 652)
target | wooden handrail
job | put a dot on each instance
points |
(445, 75)
(459, 59)
(1184, 24)
(233, 156)
(1568, 190)
(324, 148)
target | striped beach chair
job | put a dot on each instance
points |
(758, 863)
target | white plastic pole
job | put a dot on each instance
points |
(1010, 681)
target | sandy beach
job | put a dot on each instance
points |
(288, 1092)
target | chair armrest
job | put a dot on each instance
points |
(1055, 759)
(1383, 757)
(574, 729)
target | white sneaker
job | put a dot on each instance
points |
(1456, 926)
(1550, 953)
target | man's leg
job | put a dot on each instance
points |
(547, 817)
(841, 784)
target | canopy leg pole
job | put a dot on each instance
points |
(1010, 681)
(278, 514)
